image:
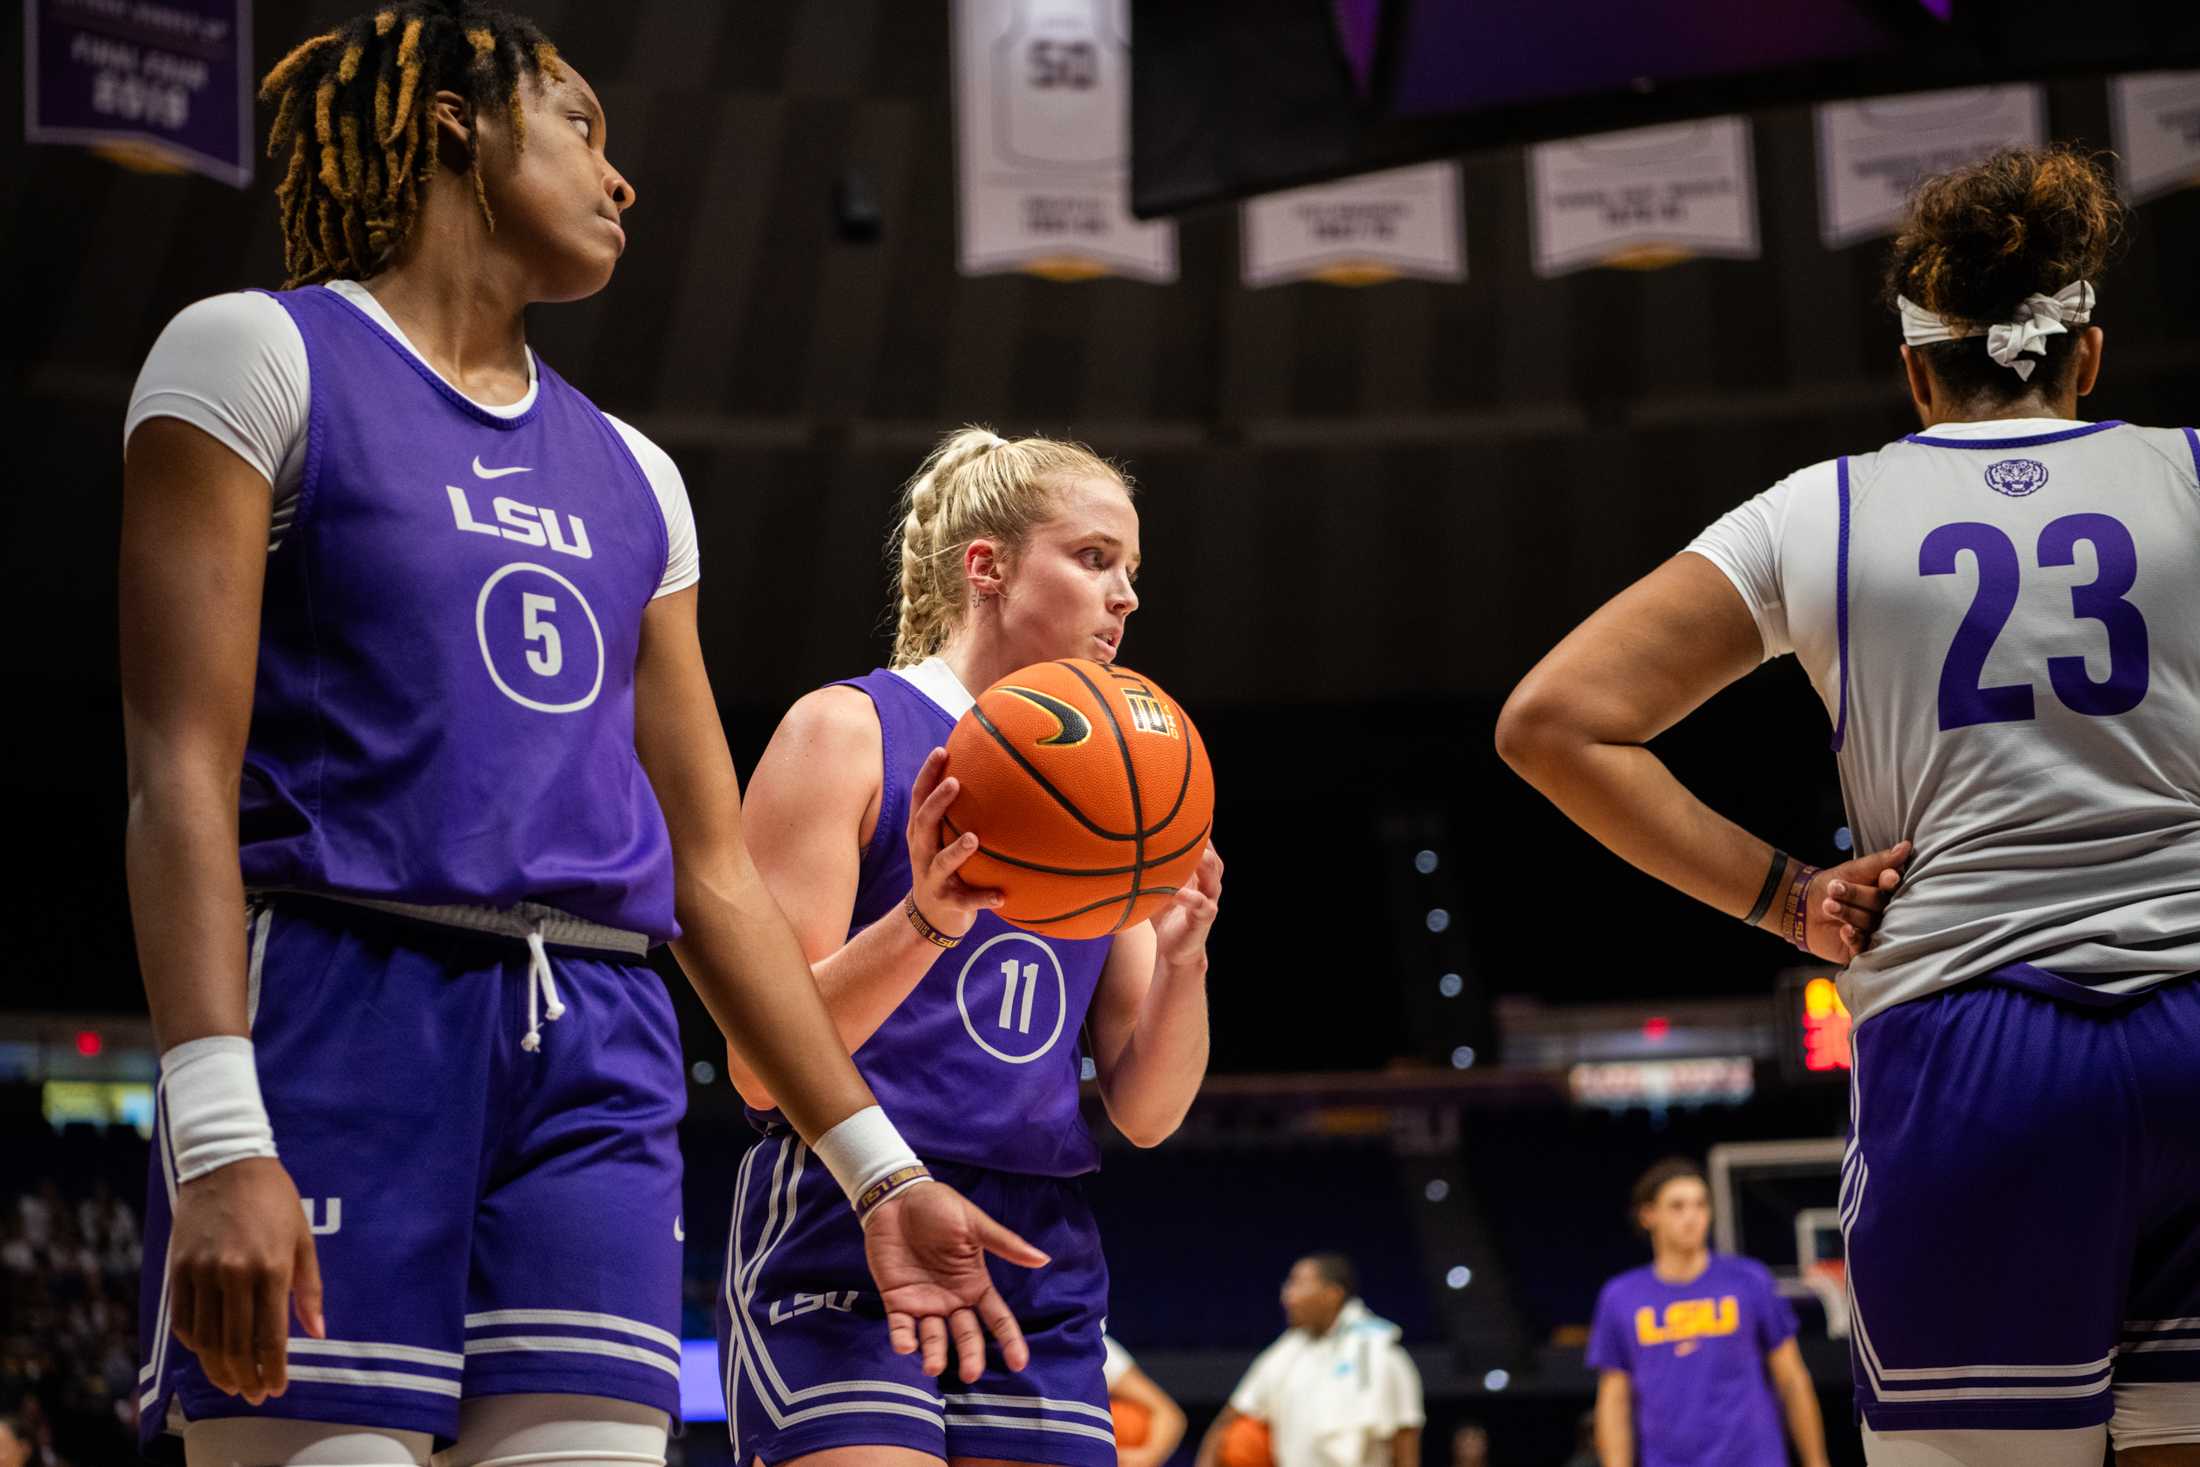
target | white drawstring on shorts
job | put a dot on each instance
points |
(539, 984)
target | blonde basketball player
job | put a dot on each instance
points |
(1012, 552)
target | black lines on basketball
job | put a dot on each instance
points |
(1184, 783)
(1129, 899)
(977, 711)
(954, 830)
(1089, 858)
(1130, 769)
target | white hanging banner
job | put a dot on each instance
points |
(1646, 197)
(1042, 128)
(1872, 153)
(2157, 122)
(1400, 223)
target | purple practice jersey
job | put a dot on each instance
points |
(444, 712)
(981, 1062)
(1694, 1354)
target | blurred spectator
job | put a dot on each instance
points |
(68, 1328)
(1338, 1389)
(1470, 1445)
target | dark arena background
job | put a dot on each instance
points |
(1448, 1029)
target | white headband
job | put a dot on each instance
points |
(2038, 317)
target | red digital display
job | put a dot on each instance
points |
(1825, 1027)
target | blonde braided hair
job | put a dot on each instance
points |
(976, 485)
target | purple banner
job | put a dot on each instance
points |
(167, 78)
(1359, 24)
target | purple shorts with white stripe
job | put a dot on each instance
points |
(803, 1337)
(2021, 1199)
(488, 1221)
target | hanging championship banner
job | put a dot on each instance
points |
(160, 84)
(1872, 153)
(2157, 125)
(1385, 226)
(1042, 126)
(1643, 198)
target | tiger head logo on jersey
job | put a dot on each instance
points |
(2016, 477)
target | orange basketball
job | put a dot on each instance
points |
(1245, 1444)
(1090, 794)
(1133, 1422)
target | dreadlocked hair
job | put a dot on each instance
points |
(352, 108)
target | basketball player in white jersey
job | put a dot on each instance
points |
(2002, 615)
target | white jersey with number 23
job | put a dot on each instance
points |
(2003, 619)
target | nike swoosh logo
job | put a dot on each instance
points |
(482, 473)
(1071, 727)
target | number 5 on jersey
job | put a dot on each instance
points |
(548, 659)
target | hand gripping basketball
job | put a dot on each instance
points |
(1180, 928)
(927, 1249)
(947, 901)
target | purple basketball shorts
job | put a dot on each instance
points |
(802, 1335)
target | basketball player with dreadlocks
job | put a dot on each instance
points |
(422, 759)
(1999, 614)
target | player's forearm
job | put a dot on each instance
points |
(746, 966)
(1166, 1432)
(1615, 1435)
(866, 980)
(1212, 1441)
(1806, 1426)
(1157, 1074)
(186, 898)
(1625, 798)
(862, 984)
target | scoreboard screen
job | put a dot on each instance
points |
(1814, 1025)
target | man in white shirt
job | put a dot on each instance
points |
(1338, 1389)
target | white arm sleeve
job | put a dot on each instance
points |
(234, 367)
(683, 562)
(1745, 544)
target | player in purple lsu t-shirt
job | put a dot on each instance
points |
(1695, 1352)
(423, 759)
(1011, 553)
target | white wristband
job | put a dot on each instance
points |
(210, 1095)
(862, 1150)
